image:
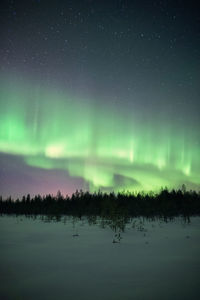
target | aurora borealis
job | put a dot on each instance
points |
(99, 115)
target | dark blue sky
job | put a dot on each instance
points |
(135, 59)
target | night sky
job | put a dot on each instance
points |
(99, 95)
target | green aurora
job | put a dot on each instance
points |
(110, 150)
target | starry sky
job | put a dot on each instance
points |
(99, 95)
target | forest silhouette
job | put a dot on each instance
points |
(165, 203)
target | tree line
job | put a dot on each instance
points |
(165, 203)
